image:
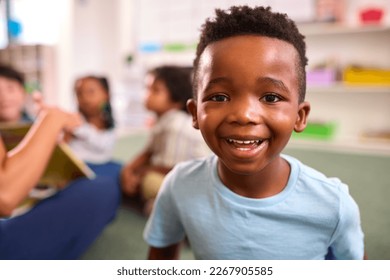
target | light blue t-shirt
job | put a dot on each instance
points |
(312, 214)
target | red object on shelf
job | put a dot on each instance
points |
(371, 15)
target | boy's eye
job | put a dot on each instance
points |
(219, 98)
(271, 98)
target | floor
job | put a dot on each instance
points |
(122, 239)
(367, 176)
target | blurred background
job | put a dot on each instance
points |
(54, 42)
(348, 46)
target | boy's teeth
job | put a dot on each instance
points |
(244, 142)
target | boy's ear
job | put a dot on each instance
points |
(303, 113)
(192, 108)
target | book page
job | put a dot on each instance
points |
(63, 167)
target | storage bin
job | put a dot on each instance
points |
(366, 76)
(322, 77)
(317, 130)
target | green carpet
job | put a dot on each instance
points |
(122, 239)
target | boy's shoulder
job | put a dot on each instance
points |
(313, 178)
(191, 175)
(195, 166)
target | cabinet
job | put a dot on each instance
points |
(355, 109)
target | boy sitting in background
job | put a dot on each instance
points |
(248, 201)
(172, 140)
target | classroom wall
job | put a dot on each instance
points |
(104, 34)
(101, 38)
(97, 35)
(87, 37)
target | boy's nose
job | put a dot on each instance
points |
(245, 111)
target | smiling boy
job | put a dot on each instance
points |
(248, 201)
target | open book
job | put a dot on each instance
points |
(63, 166)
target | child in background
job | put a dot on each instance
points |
(94, 140)
(172, 140)
(12, 96)
(249, 92)
(64, 225)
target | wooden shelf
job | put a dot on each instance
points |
(314, 29)
(342, 88)
(354, 145)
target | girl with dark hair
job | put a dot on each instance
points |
(94, 140)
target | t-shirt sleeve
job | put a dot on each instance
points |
(348, 239)
(164, 226)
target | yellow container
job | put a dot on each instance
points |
(366, 76)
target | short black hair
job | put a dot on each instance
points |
(244, 20)
(178, 80)
(11, 73)
(107, 114)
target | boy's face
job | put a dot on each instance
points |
(12, 99)
(247, 101)
(157, 97)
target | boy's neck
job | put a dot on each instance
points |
(266, 183)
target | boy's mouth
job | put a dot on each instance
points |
(245, 145)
